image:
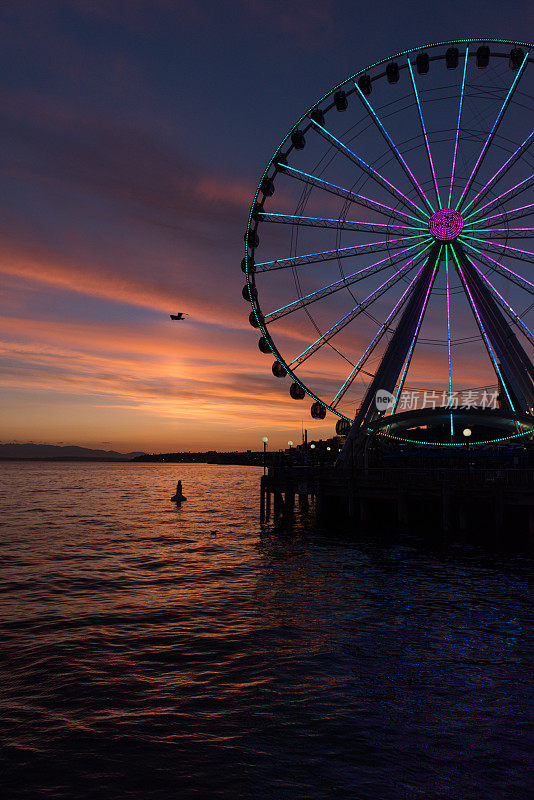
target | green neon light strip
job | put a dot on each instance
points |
(454, 444)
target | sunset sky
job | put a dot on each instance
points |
(133, 135)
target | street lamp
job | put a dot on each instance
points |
(264, 439)
(290, 444)
(467, 433)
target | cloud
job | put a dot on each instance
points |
(308, 23)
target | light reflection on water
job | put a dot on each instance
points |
(151, 651)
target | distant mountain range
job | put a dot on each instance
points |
(31, 450)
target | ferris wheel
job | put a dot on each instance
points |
(386, 250)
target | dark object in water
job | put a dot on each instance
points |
(179, 496)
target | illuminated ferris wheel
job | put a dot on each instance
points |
(386, 252)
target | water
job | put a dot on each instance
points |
(150, 651)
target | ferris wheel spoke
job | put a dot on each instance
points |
(425, 135)
(504, 304)
(367, 169)
(343, 252)
(394, 149)
(455, 153)
(416, 333)
(506, 196)
(376, 340)
(505, 216)
(342, 283)
(500, 269)
(492, 132)
(504, 233)
(501, 172)
(353, 313)
(481, 328)
(337, 224)
(494, 247)
(347, 194)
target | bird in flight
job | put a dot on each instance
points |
(179, 315)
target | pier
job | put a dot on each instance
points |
(489, 501)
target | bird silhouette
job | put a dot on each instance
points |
(180, 315)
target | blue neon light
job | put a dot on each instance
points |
(522, 146)
(492, 132)
(405, 267)
(315, 179)
(501, 197)
(395, 148)
(367, 166)
(425, 135)
(340, 250)
(344, 281)
(458, 126)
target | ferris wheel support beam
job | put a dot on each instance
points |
(493, 247)
(505, 305)
(397, 351)
(512, 276)
(415, 335)
(358, 367)
(513, 366)
(492, 133)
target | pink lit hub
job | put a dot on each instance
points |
(446, 224)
